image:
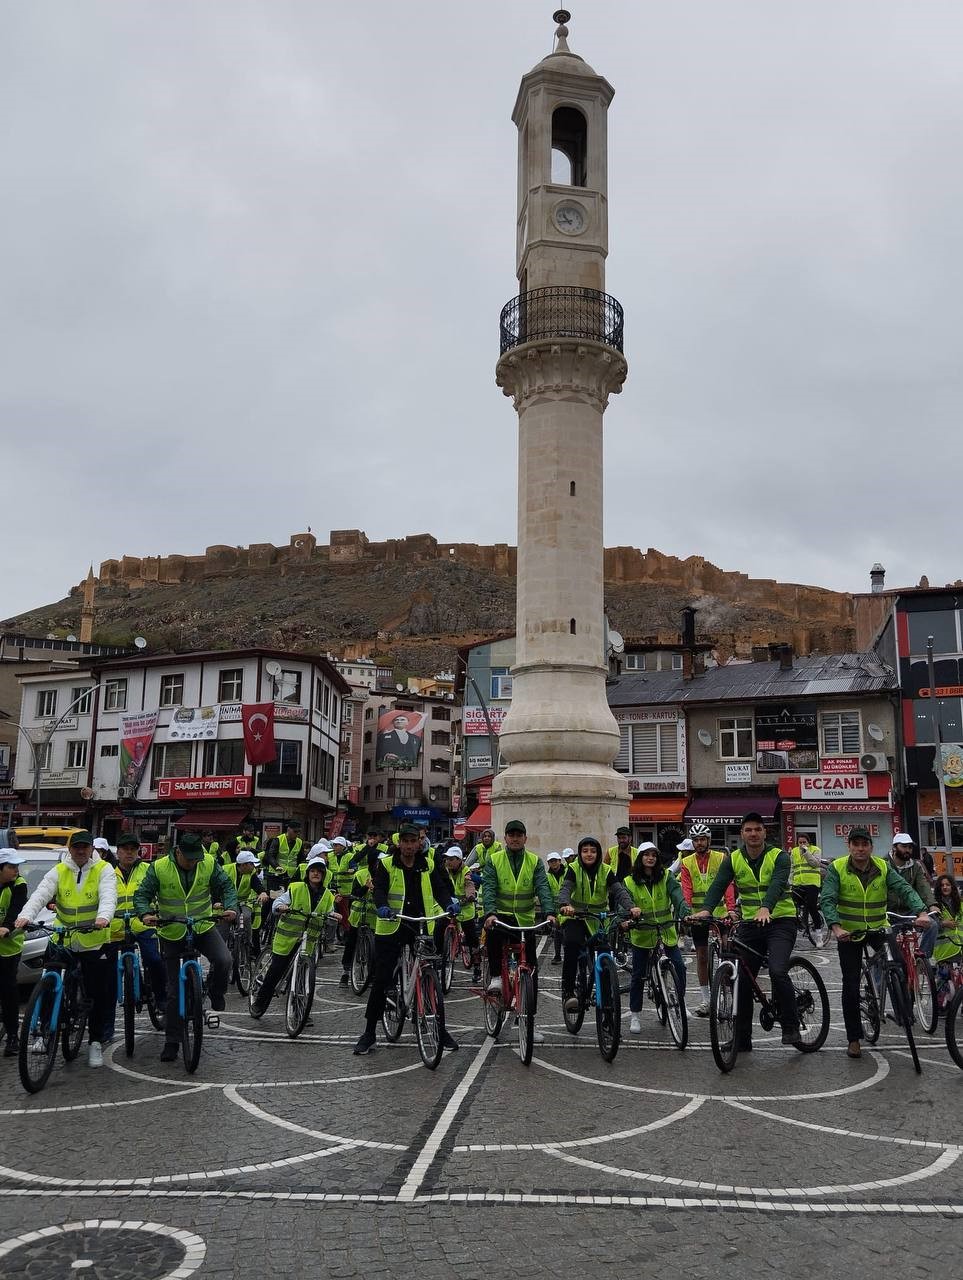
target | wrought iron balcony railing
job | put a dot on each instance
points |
(561, 311)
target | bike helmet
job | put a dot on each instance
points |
(700, 829)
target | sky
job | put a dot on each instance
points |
(254, 254)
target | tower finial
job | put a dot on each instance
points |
(561, 16)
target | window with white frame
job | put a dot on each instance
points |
(634, 662)
(289, 687)
(115, 695)
(335, 704)
(735, 738)
(327, 700)
(649, 748)
(44, 753)
(677, 662)
(77, 754)
(230, 682)
(80, 700)
(172, 690)
(840, 733)
(224, 758)
(108, 750)
(46, 704)
(347, 714)
(345, 770)
(501, 686)
(170, 760)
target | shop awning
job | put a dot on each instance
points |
(656, 808)
(480, 819)
(733, 808)
(212, 818)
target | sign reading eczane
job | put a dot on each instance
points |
(834, 786)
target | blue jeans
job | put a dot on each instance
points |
(640, 967)
(928, 939)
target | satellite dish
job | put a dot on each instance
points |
(140, 642)
(875, 732)
(273, 668)
(400, 688)
(50, 636)
(616, 643)
(72, 638)
(705, 737)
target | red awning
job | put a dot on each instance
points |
(212, 818)
(732, 808)
(656, 808)
(480, 819)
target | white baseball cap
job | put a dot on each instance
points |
(903, 838)
(101, 843)
(647, 844)
(341, 841)
(568, 853)
(317, 850)
(11, 857)
(316, 861)
(554, 855)
(685, 846)
(246, 856)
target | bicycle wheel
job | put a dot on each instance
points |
(575, 1017)
(300, 994)
(676, 1014)
(869, 1007)
(127, 992)
(925, 1009)
(903, 1013)
(73, 1017)
(954, 1029)
(608, 1011)
(620, 948)
(257, 982)
(658, 1000)
(192, 1025)
(449, 956)
(38, 1043)
(429, 1017)
(361, 961)
(812, 1004)
(242, 966)
(525, 1018)
(722, 1020)
(393, 1018)
(494, 1012)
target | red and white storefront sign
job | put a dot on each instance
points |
(839, 764)
(832, 804)
(214, 788)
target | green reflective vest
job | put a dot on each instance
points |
(249, 843)
(950, 941)
(802, 872)
(656, 907)
(213, 848)
(12, 944)
(752, 891)
(515, 895)
(342, 870)
(555, 884)
(78, 904)
(246, 896)
(174, 900)
(589, 895)
(701, 880)
(459, 879)
(482, 854)
(125, 901)
(289, 855)
(396, 895)
(362, 908)
(289, 930)
(861, 909)
(612, 855)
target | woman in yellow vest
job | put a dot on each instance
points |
(555, 873)
(949, 944)
(465, 892)
(807, 877)
(310, 898)
(656, 893)
(589, 885)
(13, 896)
(362, 911)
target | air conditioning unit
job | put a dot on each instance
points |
(874, 762)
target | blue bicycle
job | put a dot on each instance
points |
(190, 992)
(134, 989)
(604, 992)
(56, 1011)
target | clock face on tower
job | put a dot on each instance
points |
(570, 218)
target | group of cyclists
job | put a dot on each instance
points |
(397, 885)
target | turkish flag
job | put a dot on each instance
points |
(258, 721)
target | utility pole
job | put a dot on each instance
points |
(938, 759)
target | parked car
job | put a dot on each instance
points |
(44, 837)
(39, 859)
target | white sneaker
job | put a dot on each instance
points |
(538, 1037)
(495, 986)
(702, 1010)
(635, 1024)
(95, 1057)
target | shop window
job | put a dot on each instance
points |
(840, 733)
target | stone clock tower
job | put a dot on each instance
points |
(561, 359)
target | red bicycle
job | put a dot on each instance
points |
(454, 947)
(919, 974)
(518, 988)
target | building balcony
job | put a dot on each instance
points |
(561, 311)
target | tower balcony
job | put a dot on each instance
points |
(561, 311)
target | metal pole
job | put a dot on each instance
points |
(938, 760)
(33, 755)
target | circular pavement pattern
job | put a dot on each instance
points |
(101, 1249)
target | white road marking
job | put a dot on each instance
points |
(691, 1106)
(843, 1133)
(232, 1095)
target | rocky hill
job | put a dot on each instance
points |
(418, 609)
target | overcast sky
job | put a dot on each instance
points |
(253, 257)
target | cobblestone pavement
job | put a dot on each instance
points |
(295, 1155)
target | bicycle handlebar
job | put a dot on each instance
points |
(58, 927)
(419, 919)
(522, 928)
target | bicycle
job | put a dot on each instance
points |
(191, 991)
(454, 948)
(297, 983)
(135, 991)
(816, 935)
(605, 992)
(883, 974)
(920, 981)
(56, 1011)
(416, 991)
(239, 944)
(363, 958)
(812, 1002)
(662, 986)
(954, 1027)
(518, 988)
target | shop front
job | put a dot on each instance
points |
(826, 807)
(725, 811)
(656, 818)
(931, 826)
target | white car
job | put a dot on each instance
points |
(39, 860)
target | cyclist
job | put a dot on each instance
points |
(209, 843)
(374, 845)
(487, 845)
(187, 882)
(312, 898)
(697, 871)
(130, 870)
(283, 852)
(657, 898)
(84, 890)
(403, 883)
(360, 905)
(13, 895)
(466, 893)
(589, 884)
(249, 838)
(807, 876)
(621, 855)
(555, 871)
(229, 853)
(513, 882)
(252, 894)
(950, 942)
(902, 859)
(854, 899)
(761, 875)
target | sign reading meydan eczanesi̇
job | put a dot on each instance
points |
(214, 788)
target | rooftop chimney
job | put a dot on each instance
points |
(785, 657)
(688, 627)
(876, 577)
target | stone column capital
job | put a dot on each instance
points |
(560, 369)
